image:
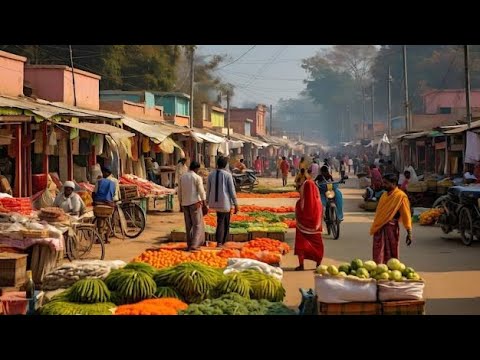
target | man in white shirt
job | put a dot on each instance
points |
(192, 199)
(70, 201)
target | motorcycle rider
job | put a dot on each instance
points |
(326, 177)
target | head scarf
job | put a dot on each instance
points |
(69, 184)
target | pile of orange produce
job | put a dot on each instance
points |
(262, 244)
(229, 253)
(166, 258)
(164, 306)
(255, 208)
(291, 195)
(266, 256)
(174, 245)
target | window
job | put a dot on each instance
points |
(182, 107)
(445, 110)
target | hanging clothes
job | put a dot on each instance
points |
(134, 148)
(472, 151)
(38, 144)
(52, 138)
(99, 140)
(146, 145)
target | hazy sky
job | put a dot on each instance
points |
(263, 73)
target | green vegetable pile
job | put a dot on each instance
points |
(235, 304)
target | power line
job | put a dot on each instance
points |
(241, 56)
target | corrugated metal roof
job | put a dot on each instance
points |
(38, 107)
(249, 139)
(47, 109)
(201, 136)
(104, 129)
(155, 132)
(464, 127)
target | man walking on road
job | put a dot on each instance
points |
(221, 196)
(192, 199)
(284, 169)
(393, 207)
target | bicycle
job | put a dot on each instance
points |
(128, 220)
(81, 239)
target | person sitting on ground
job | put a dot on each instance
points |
(301, 177)
(69, 201)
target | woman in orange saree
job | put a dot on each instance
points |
(309, 215)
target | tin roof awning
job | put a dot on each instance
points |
(201, 136)
(464, 127)
(104, 129)
(248, 139)
(157, 133)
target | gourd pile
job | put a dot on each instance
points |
(140, 289)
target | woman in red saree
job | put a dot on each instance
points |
(309, 214)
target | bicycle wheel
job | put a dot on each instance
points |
(135, 220)
(117, 225)
(85, 244)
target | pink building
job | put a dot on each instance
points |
(55, 83)
(449, 101)
(239, 117)
(11, 74)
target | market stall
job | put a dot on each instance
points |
(21, 231)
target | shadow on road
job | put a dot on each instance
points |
(466, 306)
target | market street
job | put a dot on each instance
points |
(451, 270)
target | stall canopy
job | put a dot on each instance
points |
(157, 133)
(207, 137)
(104, 129)
(464, 127)
(247, 139)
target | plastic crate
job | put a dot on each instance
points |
(13, 268)
(352, 308)
(404, 307)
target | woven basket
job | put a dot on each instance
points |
(35, 234)
(103, 211)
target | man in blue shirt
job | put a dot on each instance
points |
(104, 192)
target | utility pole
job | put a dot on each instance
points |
(389, 104)
(373, 111)
(192, 75)
(364, 112)
(405, 80)
(467, 86)
(271, 119)
(73, 76)
(228, 114)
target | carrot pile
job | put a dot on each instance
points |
(255, 208)
(291, 195)
(164, 306)
(166, 258)
(229, 253)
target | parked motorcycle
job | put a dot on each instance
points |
(461, 211)
(246, 180)
(330, 211)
